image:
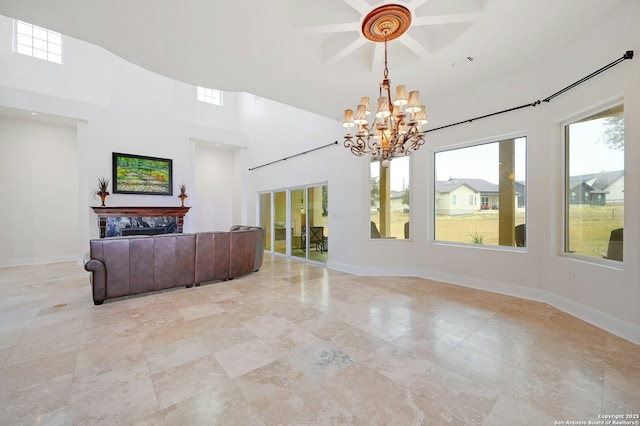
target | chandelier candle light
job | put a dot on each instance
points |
(397, 126)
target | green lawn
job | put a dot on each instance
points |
(464, 229)
(588, 234)
(590, 227)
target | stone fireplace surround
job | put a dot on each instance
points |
(119, 221)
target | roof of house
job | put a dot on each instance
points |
(397, 194)
(478, 185)
(597, 181)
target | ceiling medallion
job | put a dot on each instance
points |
(386, 22)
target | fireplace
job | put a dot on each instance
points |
(123, 221)
(123, 226)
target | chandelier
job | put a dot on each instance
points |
(396, 128)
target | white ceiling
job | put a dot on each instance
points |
(310, 53)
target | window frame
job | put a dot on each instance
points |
(563, 241)
(370, 161)
(433, 190)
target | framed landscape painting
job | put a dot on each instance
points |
(138, 174)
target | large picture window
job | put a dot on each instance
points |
(481, 194)
(390, 201)
(595, 185)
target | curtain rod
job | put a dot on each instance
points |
(627, 55)
(294, 155)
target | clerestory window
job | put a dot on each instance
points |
(38, 42)
(210, 96)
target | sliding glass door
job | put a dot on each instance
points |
(265, 218)
(296, 222)
(317, 231)
(280, 222)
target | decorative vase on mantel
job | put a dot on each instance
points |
(183, 193)
(103, 196)
(103, 185)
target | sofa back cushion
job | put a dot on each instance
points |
(173, 260)
(242, 252)
(141, 264)
(212, 256)
(259, 246)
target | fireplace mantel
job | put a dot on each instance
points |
(105, 212)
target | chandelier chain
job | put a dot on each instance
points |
(386, 69)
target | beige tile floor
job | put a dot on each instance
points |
(300, 344)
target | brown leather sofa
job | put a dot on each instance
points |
(123, 266)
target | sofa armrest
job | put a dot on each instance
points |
(97, 279)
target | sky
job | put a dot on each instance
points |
(478, 161)
(588, 155)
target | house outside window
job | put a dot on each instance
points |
(37, 42)
(594, 158)
(495, 174)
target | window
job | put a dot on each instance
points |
(210, 96)
(37, 42)
(495, 174)
(594, 148)
(390, 201)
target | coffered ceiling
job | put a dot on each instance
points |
(310, 53)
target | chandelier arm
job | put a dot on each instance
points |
(357, 147)
(372, 144)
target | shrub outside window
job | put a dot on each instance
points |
(492, 177)
(594, 148)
